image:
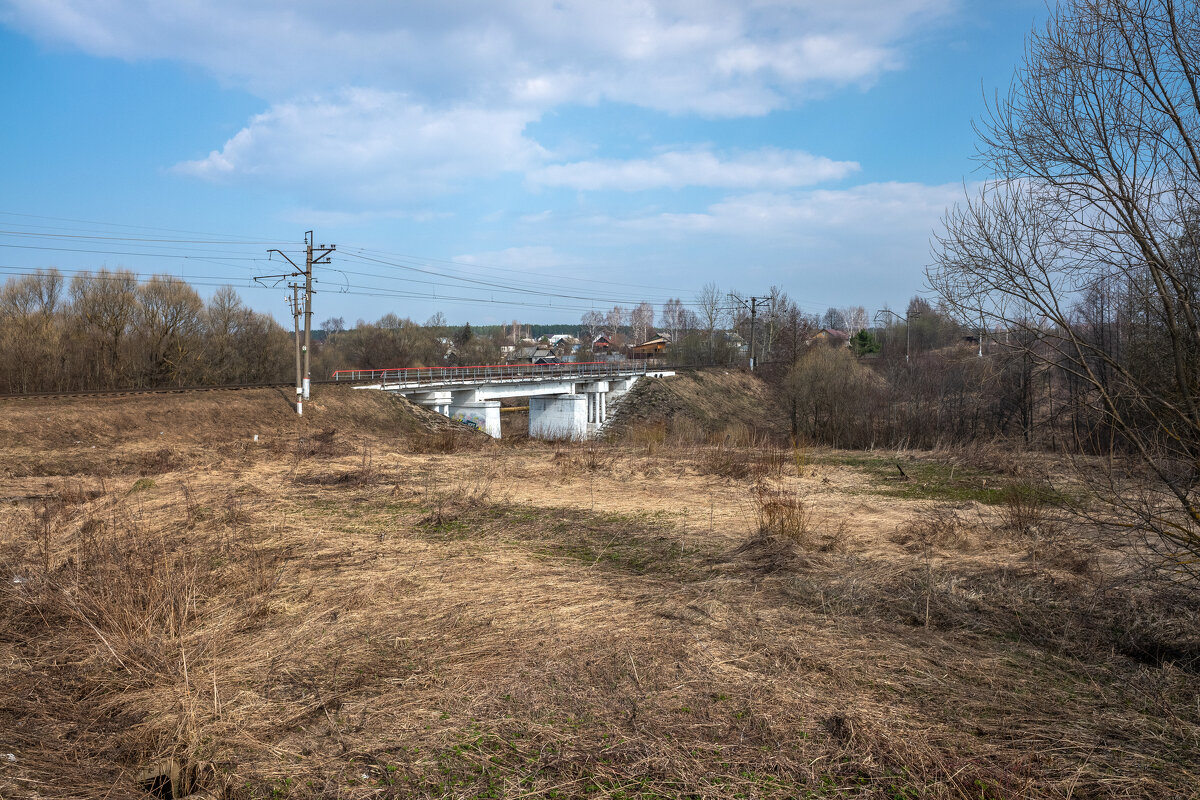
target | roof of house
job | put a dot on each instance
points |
(831, 333)
(532, 351)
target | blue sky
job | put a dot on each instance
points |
(497, 160)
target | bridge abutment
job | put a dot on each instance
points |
(438, 402)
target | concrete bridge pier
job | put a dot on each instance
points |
(597, 404)
(563, 416)
(483, 415)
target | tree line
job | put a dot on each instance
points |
(108, 330)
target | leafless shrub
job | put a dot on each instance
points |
(594, 456)
(939, 529)
(1027, 512)
(782, 512)
(775, 461)
(740, 463)
(447, 503)
(727, 461)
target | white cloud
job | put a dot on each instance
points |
(865, 245)
(372, 144)
(714, 57)
(873, 210)
(530, 259)
(767, 168)
(379, 99)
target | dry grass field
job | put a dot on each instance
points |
(372, 603)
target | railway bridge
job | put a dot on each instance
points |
(566, 401)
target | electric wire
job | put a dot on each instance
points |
(192, 249)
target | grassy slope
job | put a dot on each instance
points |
(367, 616)
(148, 433)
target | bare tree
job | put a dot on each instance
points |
(104, 305)
(856, 319)
(1094, 154)
(167, 323)
(592, 322)
(709, 308)
(834, 319)
(641, 319)
(615, 319)
(673, 317)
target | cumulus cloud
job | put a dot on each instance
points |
(382, 100)
(382, 144)
(714, 57)
(767, 168)
(866, 211)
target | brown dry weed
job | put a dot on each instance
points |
(383, 619)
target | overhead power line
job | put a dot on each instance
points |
(446, 280)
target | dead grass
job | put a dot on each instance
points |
(541, 620)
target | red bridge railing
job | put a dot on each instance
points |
(492, 372)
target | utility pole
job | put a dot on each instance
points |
(311, 258)
(320, 258)
(753, 306)
(907, 338)
(907, 328)
(296, 329)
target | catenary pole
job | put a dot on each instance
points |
(296, 331)
(321, 256)
(753, 308)
(312, 255)
(753, 315)
(308, 265)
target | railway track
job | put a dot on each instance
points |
(225, 387)
(229, 387)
